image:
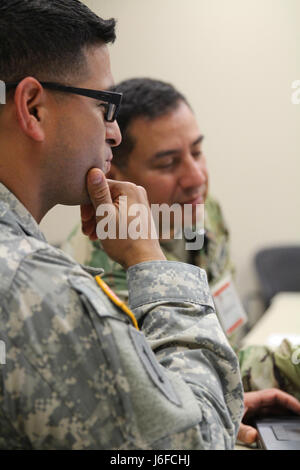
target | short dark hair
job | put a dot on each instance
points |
(142, 97)
(47, 38)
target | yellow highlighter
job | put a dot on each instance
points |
(115, 299)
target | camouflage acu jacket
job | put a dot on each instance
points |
(78, 375)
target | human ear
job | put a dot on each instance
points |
(29, 102)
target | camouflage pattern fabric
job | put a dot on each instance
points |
(77, 375)
(262, 367)
(214, 257)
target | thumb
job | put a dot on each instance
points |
(247, 434)
(98, 188)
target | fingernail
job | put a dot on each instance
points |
(96, 177)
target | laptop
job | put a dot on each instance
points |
(279, 433)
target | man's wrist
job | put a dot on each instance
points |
(142, 257)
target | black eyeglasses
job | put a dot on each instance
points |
(111, 100)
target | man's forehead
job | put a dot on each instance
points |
(165, 132)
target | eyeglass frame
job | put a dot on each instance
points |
(108, 97)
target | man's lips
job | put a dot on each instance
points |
(108, 163)
(199, 199)
(107, 166)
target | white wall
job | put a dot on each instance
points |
(235, 60)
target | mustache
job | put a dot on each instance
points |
(194, 195)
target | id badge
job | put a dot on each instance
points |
(229, 308)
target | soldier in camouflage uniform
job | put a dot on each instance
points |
(78, 373)
(152, 117)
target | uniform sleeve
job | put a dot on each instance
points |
(262, 367)
(79, 376)
(172, 303)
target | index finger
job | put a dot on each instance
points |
(87, 212)
(287, 400)
(271, 397)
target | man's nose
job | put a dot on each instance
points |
(113, 134)
(193, 173)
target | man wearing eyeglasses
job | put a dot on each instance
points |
(81, 370)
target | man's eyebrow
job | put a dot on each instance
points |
(198, 140)
(112, 85)
(165, 153)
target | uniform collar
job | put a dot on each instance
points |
(9, 203)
